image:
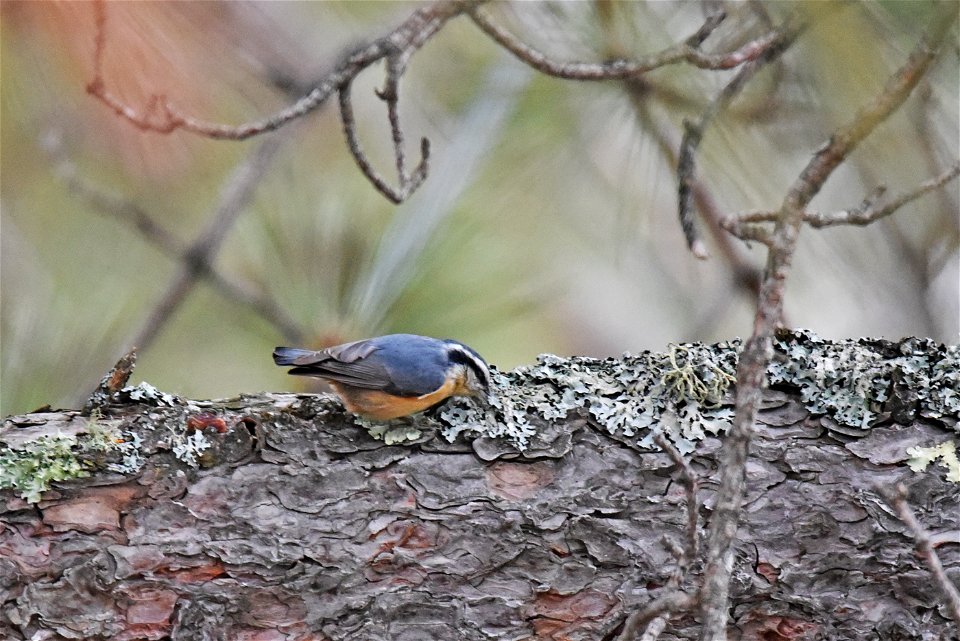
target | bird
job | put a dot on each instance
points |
(393, 376)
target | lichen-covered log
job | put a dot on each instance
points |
(277, 517)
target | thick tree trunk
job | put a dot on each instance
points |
(277, 517)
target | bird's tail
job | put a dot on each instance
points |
(287, 355)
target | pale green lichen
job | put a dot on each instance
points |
(30, 469)
(391, 433)
(946, 453)
(188, 445)
(626, 396)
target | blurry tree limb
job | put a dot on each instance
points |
(408, 183)
(131, 213)
(897, 498)
(687, 51)
(235, 196)
(396, 48)
(745, 276)
(757, 350)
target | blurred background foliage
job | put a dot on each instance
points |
(548, 221)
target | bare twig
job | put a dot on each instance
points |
(162, 117)
(756, 351)
(664, 604)
(872, 210)
(897, 498)
(408, 184)
(693, 132)
(156, 234)
(623, 69)
(746, 277)
(874, 207)
(656, 614)
(198, 259)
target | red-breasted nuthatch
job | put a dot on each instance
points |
(395, 375)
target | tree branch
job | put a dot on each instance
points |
(897, 499)
(874, 207)
(756, 352)
(153, 232)
(198, 258)
(694, 131)
(686, 51)
(162, 117)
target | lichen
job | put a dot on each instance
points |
(946, 453)
(685, 392)
(30, 469)
(188, 445)
(627, 396)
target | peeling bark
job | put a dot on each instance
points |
(296, 524)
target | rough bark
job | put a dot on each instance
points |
(286, 520)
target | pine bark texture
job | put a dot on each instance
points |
(297, 525)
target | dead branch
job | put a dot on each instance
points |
(694, 131)
(236, 194)
(897, 499)
(161, 116)
(756, 351)
(874, 207)
(687, 51)
(152, 231)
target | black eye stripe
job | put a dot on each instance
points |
(465, 356)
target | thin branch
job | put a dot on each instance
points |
(756, 352)
(870, 212)
(162, 117)
(746, 277)
(898, 501)
(408, 183)
(664, 604)
(747, 230)
(129, 212)
(691, 486)
(693, 132)
(353, 144)
(623, 69)
(656, 621)
(198, 259)
(874, 207)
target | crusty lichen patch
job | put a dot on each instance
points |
(945, 453)
(30, 468)
(686, 392)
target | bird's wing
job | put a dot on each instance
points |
(363, 364)
(347, 364)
